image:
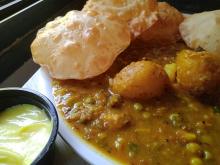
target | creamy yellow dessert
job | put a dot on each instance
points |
(24, 131)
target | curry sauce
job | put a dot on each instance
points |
(172, 129)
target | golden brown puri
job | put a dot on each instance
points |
(139, 14)
(79, 45)
(202, 30)
(140, 80)
(166, 29)
(198, 72)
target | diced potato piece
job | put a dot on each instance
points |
(140, 80)
(198, 72)
(171, 71)
(114, 120)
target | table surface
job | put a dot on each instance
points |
(64, 154)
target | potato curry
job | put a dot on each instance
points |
(143, 80)
(162, 111)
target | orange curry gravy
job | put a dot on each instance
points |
(173, 129)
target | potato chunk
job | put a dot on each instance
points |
(198, 72)
(114, 120)
(140, 80)
(170, 69)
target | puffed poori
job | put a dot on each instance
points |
(166, 30)
(139, 14)
(201, 30)
(79, 45)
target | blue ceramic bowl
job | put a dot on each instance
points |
(14, 96)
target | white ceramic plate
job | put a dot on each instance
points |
(41, 82)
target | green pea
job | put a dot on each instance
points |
(188, 137)
(206, 139)
(90, 100)
(78, 104)
(175, 119)
(216, 109)
(207, 155)
(196, 161)
(132, 149)
(138, 107)
(146, 115)
(200, 131)
(193, 147)
(114, 100)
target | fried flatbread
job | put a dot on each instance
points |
(202, 30)
(139, 14)
(79, 45)
(166, 29)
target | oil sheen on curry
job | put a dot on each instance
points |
(158, 115)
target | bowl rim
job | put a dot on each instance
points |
(51, 111)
